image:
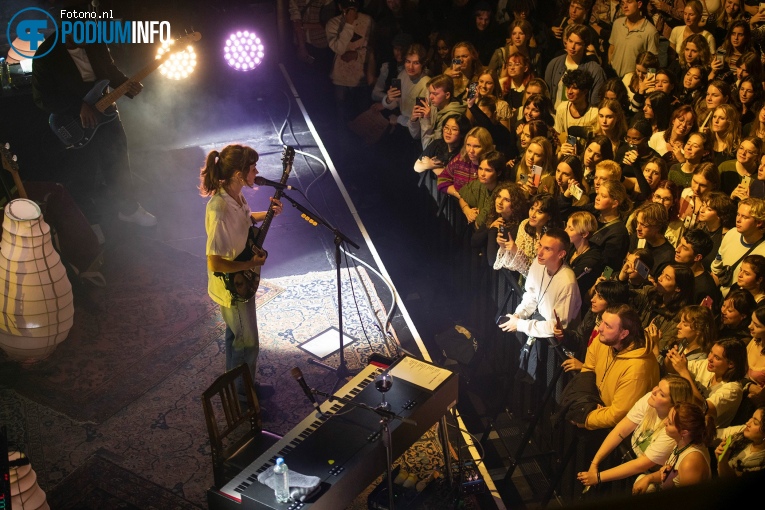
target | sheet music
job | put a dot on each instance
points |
(420, 373)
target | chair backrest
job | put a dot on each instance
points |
(236, 425)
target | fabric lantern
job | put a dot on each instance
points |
(25, 491)
(37, 300)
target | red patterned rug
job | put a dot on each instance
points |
(144, 326)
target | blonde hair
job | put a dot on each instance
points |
(612, 167)
(549, 163)
(585, 223)
(617, 191)
(484, 138)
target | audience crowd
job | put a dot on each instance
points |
(618, 146)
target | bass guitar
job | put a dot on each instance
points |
(243, 285)
(69, 129)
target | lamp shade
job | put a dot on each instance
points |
(37, 300)
(25, 491)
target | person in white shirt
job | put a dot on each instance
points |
(576, 110)
(748, 234)
(550, 289)
(716, 379)
(646, 421)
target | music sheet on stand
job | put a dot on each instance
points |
(420, 373)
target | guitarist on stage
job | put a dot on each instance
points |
(60, 81)
(228, 221)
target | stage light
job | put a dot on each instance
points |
(180, 64)
(243, 50)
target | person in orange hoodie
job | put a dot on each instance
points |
(624, 364)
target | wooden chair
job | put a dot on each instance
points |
(236, 434)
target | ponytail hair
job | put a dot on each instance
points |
(220, 167)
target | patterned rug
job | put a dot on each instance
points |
(160, 435)
(144, 326)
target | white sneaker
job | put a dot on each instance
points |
(140, 217)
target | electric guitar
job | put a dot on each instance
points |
(69, 128)
(243, 285)
(10, 163)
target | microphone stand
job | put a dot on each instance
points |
(342, 371)
(385, 418)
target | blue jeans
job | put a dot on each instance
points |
(241, 337)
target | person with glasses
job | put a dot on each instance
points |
(440, 152)
(667, 194)
(736, 175)
(514, 80)
(636, 153)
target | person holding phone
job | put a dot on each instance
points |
(427, 120)
(696, 332)
(517, 254)
(737, 174)
(465, 69)
(742, 447)
(503, 220)
(628, 272)
(410, 84)
(658, 304)
(550, 287)
(715, 380)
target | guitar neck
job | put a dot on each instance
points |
(287, 160)
(120, 91)
(149, 68)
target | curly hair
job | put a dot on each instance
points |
(702, 322)
(518, 203)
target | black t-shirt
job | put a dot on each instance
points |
(663, 255)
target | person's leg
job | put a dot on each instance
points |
(242, 344)
(115, 165)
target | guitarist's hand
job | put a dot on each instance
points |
(88, 116)
(258, 259)
(276, 206)
(134, 88)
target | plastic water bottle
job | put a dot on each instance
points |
(282, 486)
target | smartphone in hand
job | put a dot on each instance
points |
(707, 301)
(576, 191)
(471, 90)
(558, 324)
(642, 269)
(504, 232)
(536, 174)
(396, 83)
(607, 272)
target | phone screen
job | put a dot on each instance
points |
(642, 269)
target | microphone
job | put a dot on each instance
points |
(298, 375)
(262, 181)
